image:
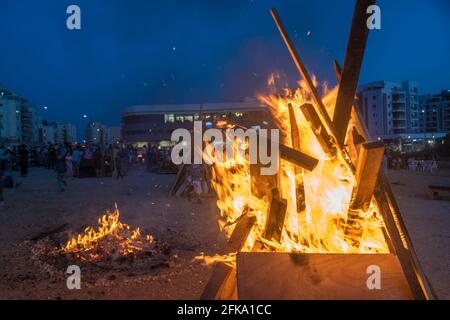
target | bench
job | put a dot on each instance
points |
(439, 191)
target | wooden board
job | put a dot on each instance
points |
(223, 279)
(352, 67)
(285, 276)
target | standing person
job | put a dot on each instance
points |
(60, 167)
(3, 158)
(119, 165)
(51, 157)
(98, 159)
(69, 164)
(23, 160)
(76, 157)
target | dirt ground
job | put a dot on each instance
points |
(428, 223)
(187, 228)
(143, 200)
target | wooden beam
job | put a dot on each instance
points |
(295, 138)
(354, 142)
(298, 158)
(295, 157)
(352, 67)
(401, 240)
(369, 162)
(320, 132)
(320, 107)
(181, 176)
(370, 158)
(303, 71)
(275, 217)
(221, 285)
(287, 276)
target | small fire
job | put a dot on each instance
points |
(320, 227)
(111, 237)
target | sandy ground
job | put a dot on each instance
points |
(143, 200)
(188, 228)
(428, 223)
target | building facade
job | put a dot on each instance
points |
(57, 132)
(390, 109)
(10, 117)
(113, 135)
(436, 112)
(99, 133)
(155, 123)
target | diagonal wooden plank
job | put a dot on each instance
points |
(318, 104)
(295, 139)
(303, 70)
(352, 67)
(222, 282)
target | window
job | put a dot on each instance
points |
(169, 118)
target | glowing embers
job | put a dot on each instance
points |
(112, 239)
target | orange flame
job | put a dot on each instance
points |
(320, 228)
(111, 235)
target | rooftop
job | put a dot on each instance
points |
(247, 105)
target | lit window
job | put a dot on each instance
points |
(169, 118)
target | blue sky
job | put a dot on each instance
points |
(147, 52)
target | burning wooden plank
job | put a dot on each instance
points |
(301, 68)
(320, 107)
(320, 277)
(369, 163)
(275, 217)
(295, 138)
(298, 158)
(352, 66)
(222, 283)
(320, 132)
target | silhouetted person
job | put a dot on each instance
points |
(23, 160)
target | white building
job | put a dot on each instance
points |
(47, 134)
(113, 135)
(390, 109)
(10, 117)
(65, 133)
(95, 133)
(57, 132)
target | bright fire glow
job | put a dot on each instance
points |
(112, 236)
(320, 228)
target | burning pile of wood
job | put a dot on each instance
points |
(330, 196)
(113, 239)
(112, 246)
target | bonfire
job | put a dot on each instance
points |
(112, 239)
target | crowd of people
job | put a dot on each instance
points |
(78, 161)
(421, 164)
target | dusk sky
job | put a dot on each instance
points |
(151, 52)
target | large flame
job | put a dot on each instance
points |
(320, 228)
(112, 236)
